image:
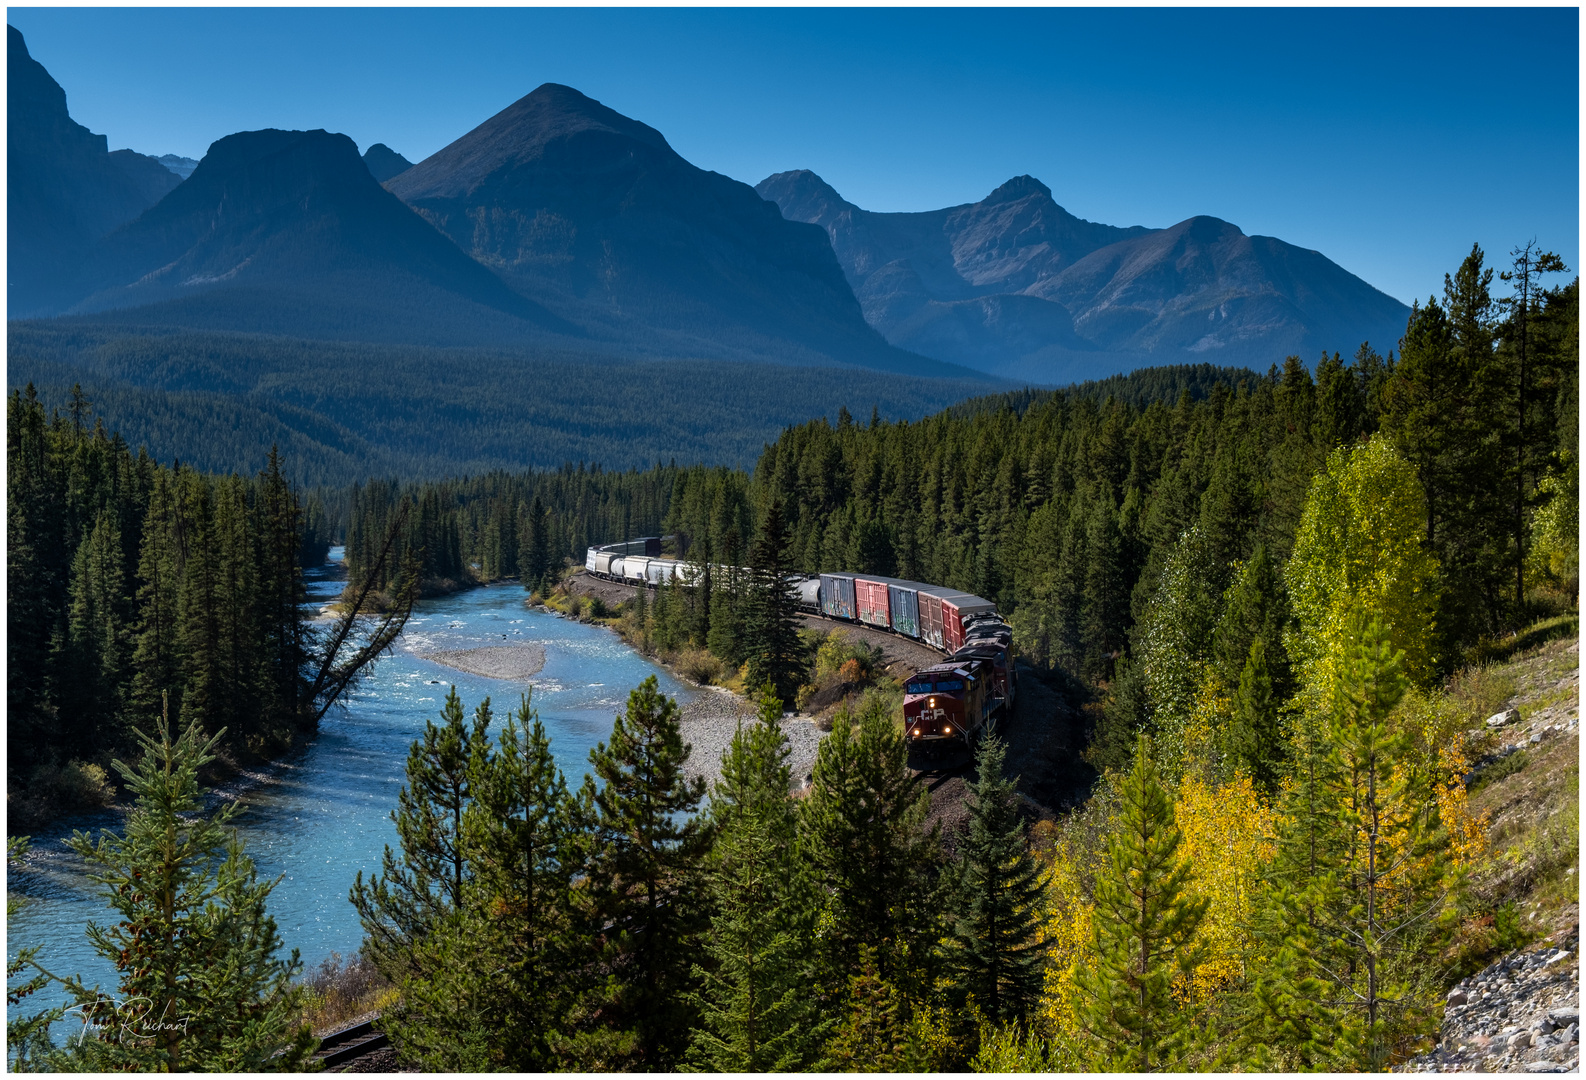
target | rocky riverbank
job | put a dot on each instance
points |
(711, 717)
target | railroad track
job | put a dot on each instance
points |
(341, 1048)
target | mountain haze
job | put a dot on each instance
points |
(64, 189)
(1018, 286)
(287, 232)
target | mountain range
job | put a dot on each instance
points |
(561, 224)
(1017, 286)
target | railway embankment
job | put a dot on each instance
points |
(1045, 732)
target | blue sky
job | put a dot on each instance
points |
(1388, 139)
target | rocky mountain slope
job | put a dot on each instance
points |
(384, 162)
(287, 232)
(1521, 1011)
(594, 214)
(64, 188)
(1017, 286)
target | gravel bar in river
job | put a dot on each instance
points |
(516, 662)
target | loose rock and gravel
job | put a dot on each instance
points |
(519, 663)
(711, 717)
(1519, 1014)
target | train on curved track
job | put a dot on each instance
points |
(945, 705)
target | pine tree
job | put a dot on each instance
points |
(644, 874)
(202, 988)
(996, 933)
(873, 1035)
(771, 643)
(756, 1011)
(502, 961)
(422, 886)
(1146, 918)
(155, 658)
(1363, 889)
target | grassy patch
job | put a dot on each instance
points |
(1488, 650)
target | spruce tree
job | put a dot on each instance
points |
(756, 1010)
(648, 845)
(873, 1034)
(771, 642)
(861, 830)
(1255, 739)
(997, 956)
(201, 986)
(1146, 918)
(502, 962)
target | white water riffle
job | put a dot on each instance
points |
(321, 816)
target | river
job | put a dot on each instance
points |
(321, 816)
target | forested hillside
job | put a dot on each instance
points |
(135, 589)
(1089, 519)
(345, 412)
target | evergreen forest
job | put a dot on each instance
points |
(1253, 589)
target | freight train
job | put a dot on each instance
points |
(945, 705)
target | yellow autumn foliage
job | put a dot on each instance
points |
(1229, 832)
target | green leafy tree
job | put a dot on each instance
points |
(1146, 919)
(756, 1010)
(644, 876)
(1359, 545)
(202, 987)
(997, 958)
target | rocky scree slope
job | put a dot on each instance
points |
(1521, 1012)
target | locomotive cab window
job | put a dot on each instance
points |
(950, 684)
(919, 688)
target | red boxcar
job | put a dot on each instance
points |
(870, 596)
(955, 609)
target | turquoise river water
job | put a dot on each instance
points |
(321, 816)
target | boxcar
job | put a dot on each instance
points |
(870, 600)
(903, 600)
(947, 704)
(837, 596)
(589, 559)
(603, 560)
(955, 610)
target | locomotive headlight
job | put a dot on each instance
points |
(947, 729)
(933, 703)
